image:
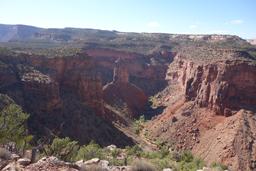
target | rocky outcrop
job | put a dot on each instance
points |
(252, 41)
(41, 87)
(231, 142)
(213, 111)
(222, 86)
(145, 71)
(122, 94)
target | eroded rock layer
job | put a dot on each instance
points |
(213, 110)
(63, 96)
(202, 88)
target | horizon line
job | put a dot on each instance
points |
(138, 32)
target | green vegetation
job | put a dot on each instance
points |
(115, 153)
(63, 148)
(92, 150)
(135, 150)
(162, 158)
(68, 150)
(138, 125)
(219, 166)
(13, 127)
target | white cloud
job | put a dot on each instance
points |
(153, 24)
(238, 21)
(193, 26)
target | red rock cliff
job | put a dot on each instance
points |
(121, 93)
(63, 95)
(222, 86)
(209, 112)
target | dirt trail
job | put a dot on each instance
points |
(141, 139)
(138, 139)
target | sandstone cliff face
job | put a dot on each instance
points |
(120, 93)
(145, 71)
(222, 86)
(63, 95)
(205, 115)
(37, 85)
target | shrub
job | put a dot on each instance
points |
(151, 155)
(189, 162)
(139, 124)
(142, 166)
(63, 148)
(135, 150)
(92, 150)
(13, 126)
(161, 154)
(163, 163)
(164, 151)
(115, 152)
(5, 154)
(219, 166)
(199, 163)
(176, 156)
(116, 162)
(187, 156)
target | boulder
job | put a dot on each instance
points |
(167, 169)
(111, 147)
(79, 163)
(92, 161)
(10, 167)
(104, 164)
(24, 161)
(14, 156)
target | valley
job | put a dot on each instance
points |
(195, 92)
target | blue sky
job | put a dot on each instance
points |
(170, 16)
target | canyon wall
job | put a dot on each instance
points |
(63, 96)
(222, 86)
(213, 110)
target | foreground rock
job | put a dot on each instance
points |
(23, 161)
(51, 164)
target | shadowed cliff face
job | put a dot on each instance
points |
(145, 71)
(123, 95)
(63, 96)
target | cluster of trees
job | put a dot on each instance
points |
(68, 150)
(13, 126)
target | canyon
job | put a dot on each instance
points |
(197, 92)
